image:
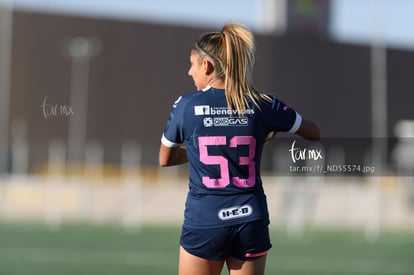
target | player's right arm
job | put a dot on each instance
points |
(172, 148)
(169, 156)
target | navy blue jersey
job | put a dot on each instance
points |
(224, 151)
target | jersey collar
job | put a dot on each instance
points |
(206, 89)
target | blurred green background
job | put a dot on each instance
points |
(29, 249)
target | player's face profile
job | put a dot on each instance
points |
(196, 71)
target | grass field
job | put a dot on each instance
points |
(30, 249)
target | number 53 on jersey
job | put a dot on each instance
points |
(206, 141)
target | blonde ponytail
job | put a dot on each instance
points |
(233, 51)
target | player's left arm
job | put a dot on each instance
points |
(170, 156)
(309, 130)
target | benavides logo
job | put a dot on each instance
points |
(207, 110)
(202, 110)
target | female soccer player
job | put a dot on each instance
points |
(224, 125)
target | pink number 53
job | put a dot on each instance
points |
(223, 163)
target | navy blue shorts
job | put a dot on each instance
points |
(245, 242)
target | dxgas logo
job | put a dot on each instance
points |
(224, 121)
(228, 121)
(235, 212)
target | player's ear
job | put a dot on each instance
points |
(208, 67)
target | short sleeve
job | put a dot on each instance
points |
(281, 117)
(173, 132)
